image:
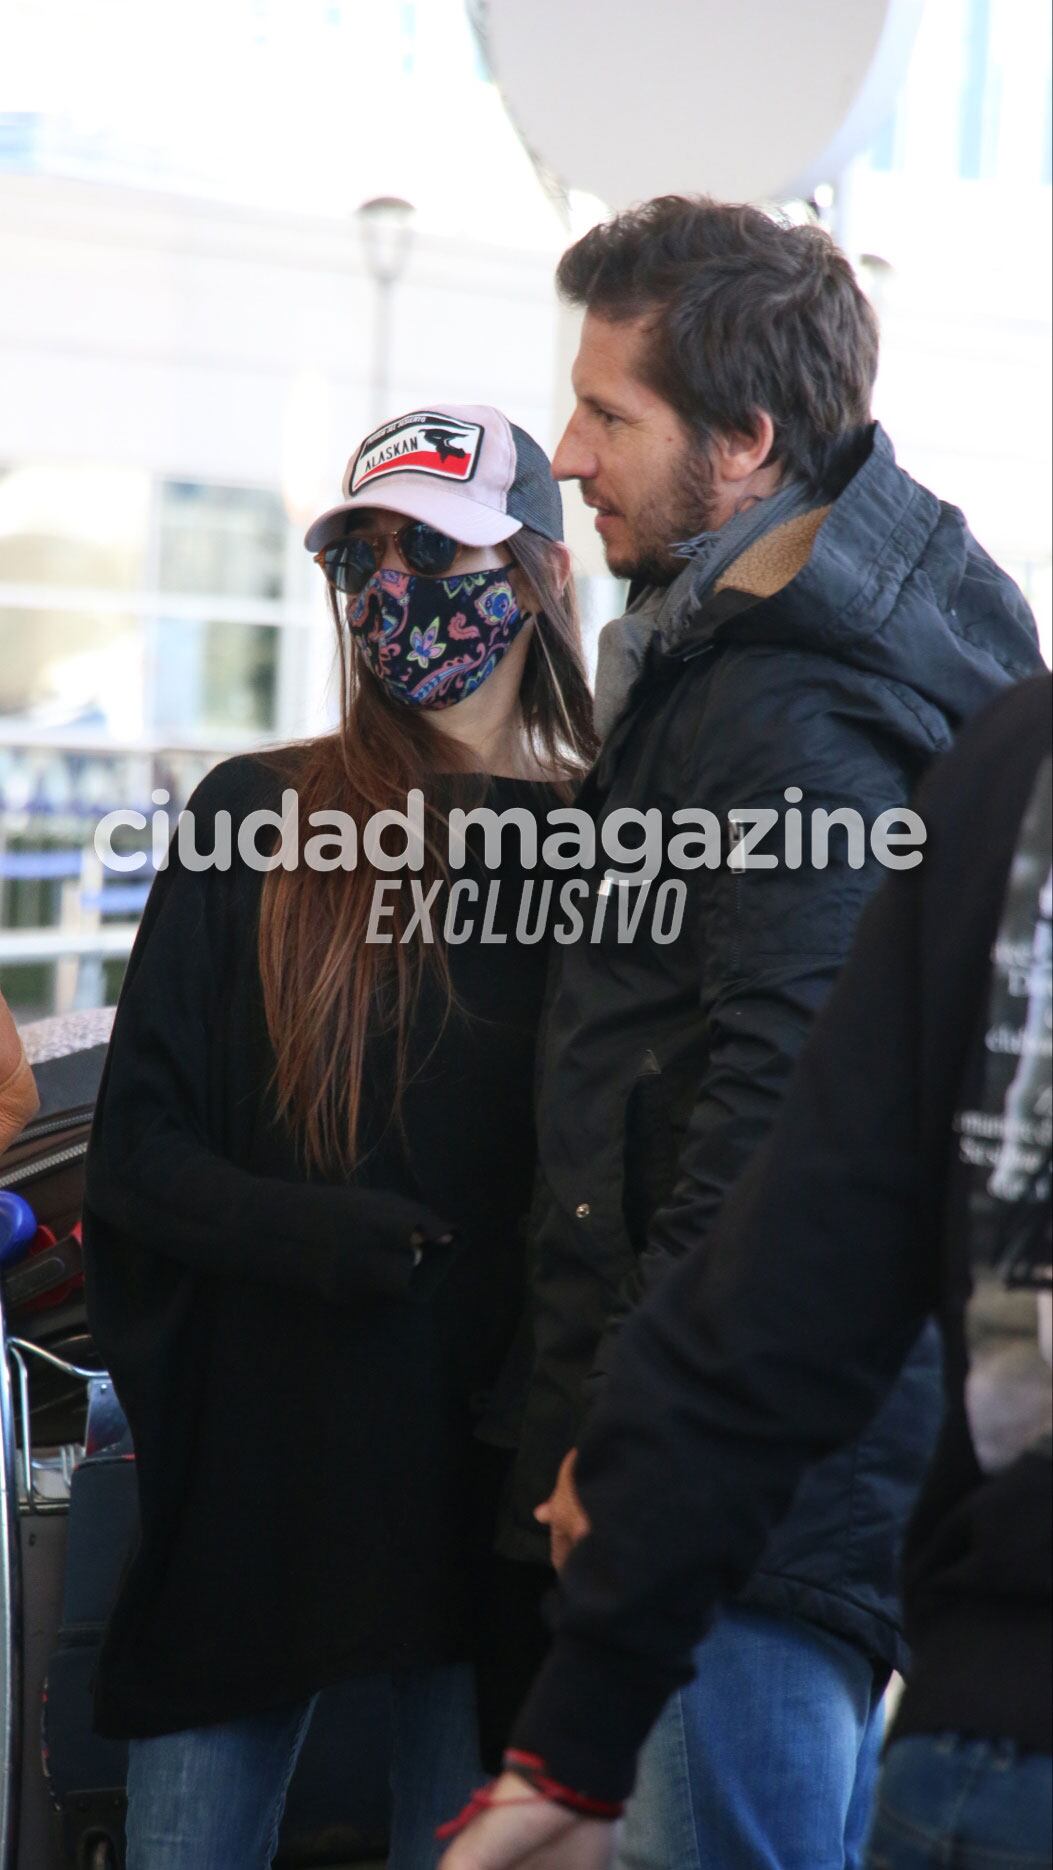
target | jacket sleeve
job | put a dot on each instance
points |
(771, 940)
(772, 1345)
(157, 1177)
(726, 1385)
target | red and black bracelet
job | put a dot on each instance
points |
(531, 1767)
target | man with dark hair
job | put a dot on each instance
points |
(732, 313)
(808, 628)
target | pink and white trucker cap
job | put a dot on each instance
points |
(461, 467)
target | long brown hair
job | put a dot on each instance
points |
(325, 987)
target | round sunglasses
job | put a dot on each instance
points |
(351, 562)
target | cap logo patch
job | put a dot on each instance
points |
(423, 443)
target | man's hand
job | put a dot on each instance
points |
(563, 1513)
(524, 1831)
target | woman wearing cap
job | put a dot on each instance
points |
(312, 1154)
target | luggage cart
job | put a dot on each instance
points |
(42, 1327)
(68, 1543)
(10, 1620)
(44, 1827)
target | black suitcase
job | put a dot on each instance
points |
(66, 1538)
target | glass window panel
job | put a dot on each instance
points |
(68, 789)
(1035, 578)
(221, 541)
(73, 523)
(177, 772)
(34, 900)
(70, 670)
(112, 981)
(215, 676)
(29, 988)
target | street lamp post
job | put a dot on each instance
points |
(386, 227)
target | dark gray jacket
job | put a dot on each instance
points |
(663, 1065)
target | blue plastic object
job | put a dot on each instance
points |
(18, 1225)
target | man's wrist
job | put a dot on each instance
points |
(531, 1768)
(588, 1713)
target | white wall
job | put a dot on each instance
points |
(167, 332)
(965, 380)
(200, 340)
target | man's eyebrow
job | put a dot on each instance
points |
(601, 404)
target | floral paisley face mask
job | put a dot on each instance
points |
(433, 641)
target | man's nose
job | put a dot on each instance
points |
(572, 459)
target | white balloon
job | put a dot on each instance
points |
(748, 100)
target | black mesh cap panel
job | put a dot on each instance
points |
(534, 496)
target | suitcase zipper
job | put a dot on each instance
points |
(81, 1113)
(25, 1171)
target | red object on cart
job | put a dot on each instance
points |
(49, 1273)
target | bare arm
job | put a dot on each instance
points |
(18, 1092)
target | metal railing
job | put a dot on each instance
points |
(10, 1619)
(18, 1497)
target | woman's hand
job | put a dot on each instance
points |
(521, 1830)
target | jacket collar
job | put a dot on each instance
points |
(874, 533)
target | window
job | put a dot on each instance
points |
(221, 541)
(214, 677)
(73, 524)
(979, 96)
(146, 630)
(64, 669)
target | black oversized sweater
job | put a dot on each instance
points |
(777, 1344)
(302, 1396)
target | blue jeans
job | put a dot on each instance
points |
(946, 1803)
(212, 1798)
(767, 1761)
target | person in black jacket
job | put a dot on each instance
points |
(810, 627)
(908, 1175)
(311, 1156)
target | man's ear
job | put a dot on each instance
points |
(739, 454)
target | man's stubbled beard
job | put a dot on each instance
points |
(679, 510)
